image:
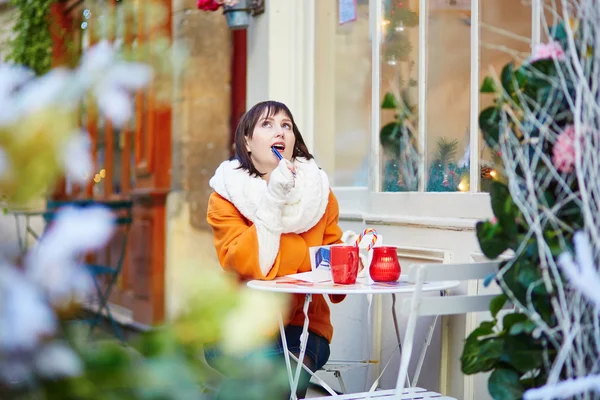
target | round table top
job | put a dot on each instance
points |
(287, 285)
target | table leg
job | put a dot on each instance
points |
(286, 355)
(321, 381)
(303, 341)
(27, 229)
(397, 328)
(19, 238)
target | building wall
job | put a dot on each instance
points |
(432, 226)
(7, 18)
(200, 139)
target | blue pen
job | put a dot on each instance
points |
(278, 155)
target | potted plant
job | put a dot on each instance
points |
(543, 124)
(237, 12)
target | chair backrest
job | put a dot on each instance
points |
(420, 274)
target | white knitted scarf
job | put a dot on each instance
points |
(304, 206)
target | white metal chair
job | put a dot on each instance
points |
(420, 305)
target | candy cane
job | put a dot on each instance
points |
(362, 235)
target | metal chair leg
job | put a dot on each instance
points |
(103, 296)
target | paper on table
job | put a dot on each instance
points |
(315, 276)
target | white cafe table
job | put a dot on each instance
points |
(361, 287)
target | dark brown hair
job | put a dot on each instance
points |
(245, 129)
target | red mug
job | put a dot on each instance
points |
(344, 264)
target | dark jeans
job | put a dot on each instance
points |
(317, 354)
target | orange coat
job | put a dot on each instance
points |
(236, 243)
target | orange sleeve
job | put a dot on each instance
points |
(333, 234)
(236, 242)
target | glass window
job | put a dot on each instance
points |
(442, 146)
(505, 37)
(422, 143)
(343, 91)
(399, 74)
(448, 117)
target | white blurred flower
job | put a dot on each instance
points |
(96, 61)
(582, 274)
(15, 371)
(53, 263)
(57, 360)
(253, 322)
(24, 315)
(47, 90)
(115, 103)
(11, 77)
(77, 158)
(566, 389)
(113, 80)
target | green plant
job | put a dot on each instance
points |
(529, 112)
(32, 44)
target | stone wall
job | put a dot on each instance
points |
(200, 139)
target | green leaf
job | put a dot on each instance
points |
(558, 32)
(504, 208)
(504, 384)
(389, 102)
(523, 353)
(489, 123)
(521, 76)
(390, 136)
(511, 319)
(492, 239)
(508, 79)
(481, 355)
(497, 303)
(488, 85)
(522, 327)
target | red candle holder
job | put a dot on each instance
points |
(385, 266)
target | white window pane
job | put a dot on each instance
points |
(343, 93)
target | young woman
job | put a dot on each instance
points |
(266, 213)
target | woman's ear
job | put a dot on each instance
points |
(247, 145)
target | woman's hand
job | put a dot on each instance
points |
(282, 179)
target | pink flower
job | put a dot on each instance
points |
(547, 51)
(208, 5)
(563, 153)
